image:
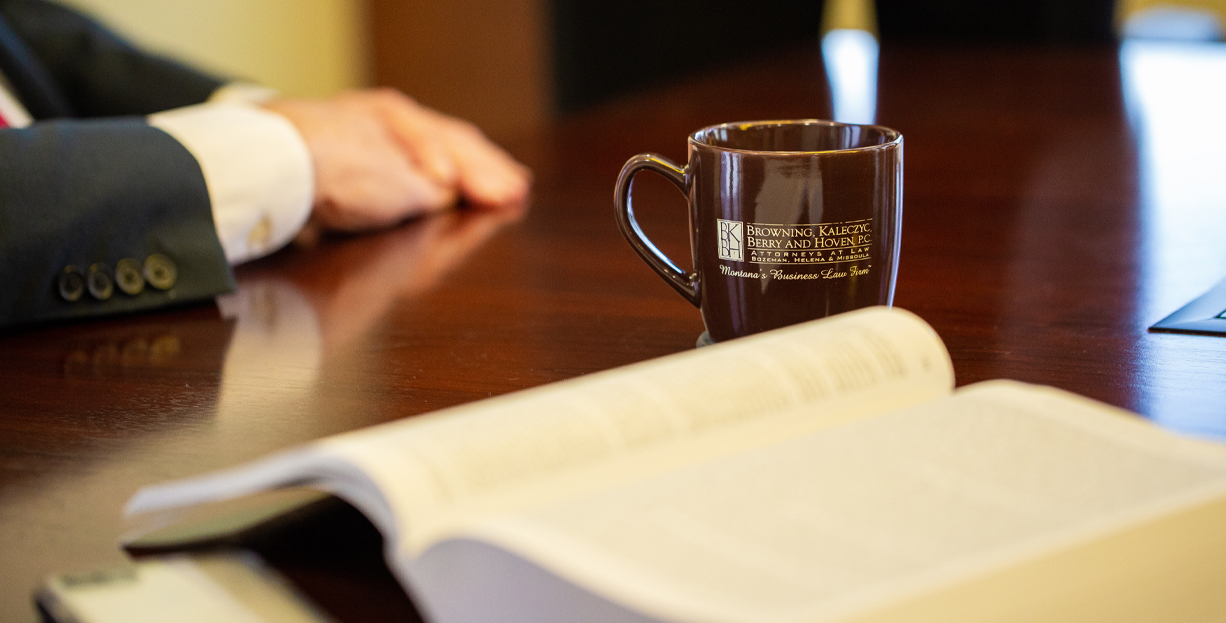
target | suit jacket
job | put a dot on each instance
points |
(100, 213)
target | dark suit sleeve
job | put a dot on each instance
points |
(100, 74)
(78, 194)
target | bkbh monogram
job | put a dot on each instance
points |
(731, 240)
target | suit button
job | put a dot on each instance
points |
(101, 285)
(72, 284)
(128, 277)
(160, 271)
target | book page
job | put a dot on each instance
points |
(427, 467)
(415, 478)
(875, 510)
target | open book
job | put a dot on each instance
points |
(822, 472)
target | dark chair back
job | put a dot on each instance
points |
(1059, 22)
(603, 49)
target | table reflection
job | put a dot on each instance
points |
(1176, 98)
(289, 323)
(147, 398)
(850, 58)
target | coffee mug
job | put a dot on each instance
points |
(789, 221)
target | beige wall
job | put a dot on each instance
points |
(1125, 8)
(854, 14)
(484, 60)
(859, 13)
(302, 47)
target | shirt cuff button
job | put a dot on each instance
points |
(260, 236)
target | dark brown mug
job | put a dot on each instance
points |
(789, 221)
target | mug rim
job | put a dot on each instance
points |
(693, 140)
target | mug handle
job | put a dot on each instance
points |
(685, 283)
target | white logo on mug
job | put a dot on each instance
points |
(731, 240)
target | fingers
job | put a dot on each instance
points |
(381, 158)
(487, 174)
(410, 125)
(377, 187)
(403, 193)
(452, 151)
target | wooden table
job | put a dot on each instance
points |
(1034, 241)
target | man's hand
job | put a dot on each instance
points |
(381, 158)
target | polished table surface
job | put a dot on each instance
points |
(1049, 220)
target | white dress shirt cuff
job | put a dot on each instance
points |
(257, 169)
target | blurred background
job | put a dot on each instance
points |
(511, 65)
